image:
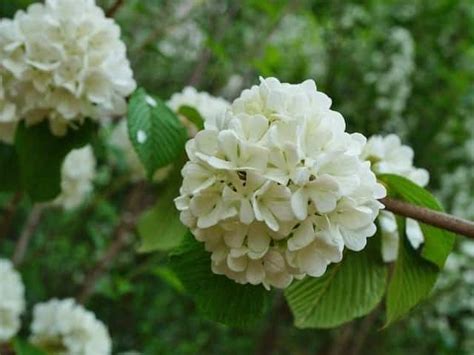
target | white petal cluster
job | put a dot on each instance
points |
(389, 156)
(64, 327)
(275, 187)
(12, 300)
(208, 106)
(67, 63)
(77, 175)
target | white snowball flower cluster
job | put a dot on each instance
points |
(64, 327)
(77, 175)
(275, 187)
(12, 300)
(67, 63)
(208, 106)
(389, 156)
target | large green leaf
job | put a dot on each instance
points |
(349, 289)
(216, 296)
(41, 154)
(160, 227)
(438, 243)
(412, 279)
(156, 133)
(9, 170)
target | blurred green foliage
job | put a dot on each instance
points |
(403, 66)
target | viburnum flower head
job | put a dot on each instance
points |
(12, 300)
(389, 156)
(275, 187)
(67, 61)
(64, 327)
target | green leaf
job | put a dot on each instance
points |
(160, 228)
(192, 115)
(438, 243)
(41, 154)
(169, 276)
(412, 279)
(21, 347)
(10, 173)
(349, 289)
(217, 297)
(155, 131)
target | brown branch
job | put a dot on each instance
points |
(8, 215)
(114, 8)
(121, 237)
(29, 230)
(427, 216)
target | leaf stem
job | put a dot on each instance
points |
(427, 216)
(27, 233)
(114, 8)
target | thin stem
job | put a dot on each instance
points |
(8, 215)
(121, 237)
(114, 8)
(31, 225)
(427, 216)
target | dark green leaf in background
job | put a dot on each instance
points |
(155, 131)
(217, 297)
(21, 347)
(9, 170)
(349, 289)
(41, 154)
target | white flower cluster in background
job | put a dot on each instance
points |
(451, 314)
(12, 300)
(66, 62)
(388, 156)
(392, 77)
(276, 189)
(211, 108)
(77, 175)
(64, 327)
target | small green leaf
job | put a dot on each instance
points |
(10, 173)
(412, 279)
(217, 297)
(160, 228)
(349, 289)
(192, 115)
(41, 154)
(438, 243)
(21, 347)
(155, 131)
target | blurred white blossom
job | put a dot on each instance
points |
(64, 327)
(388, 156)
(12, 300)
(67, 61)
(275, 187)
(8, 116)
(209, 107)
(77, 175)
